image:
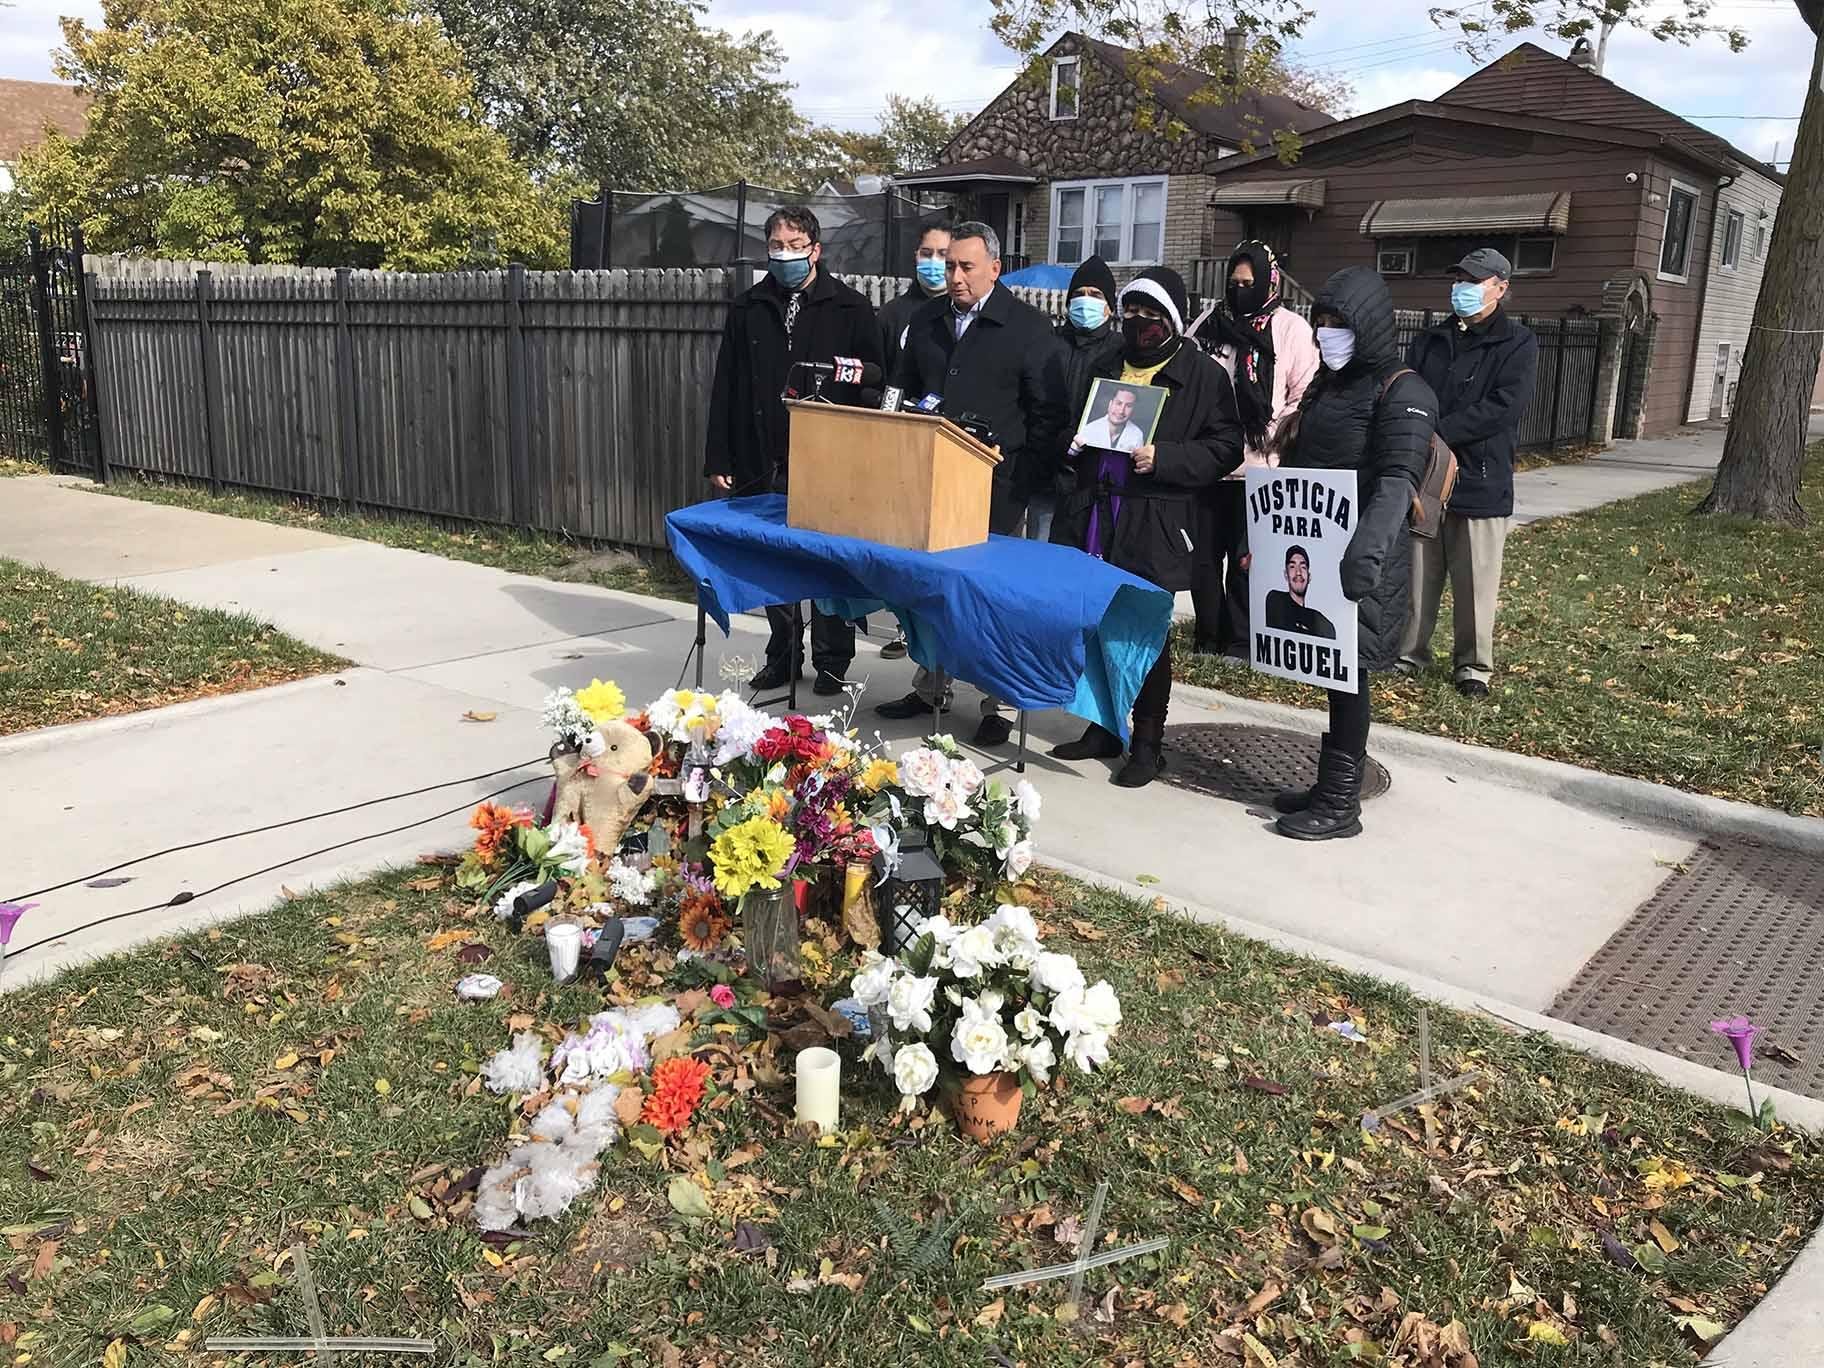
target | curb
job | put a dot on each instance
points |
(1571, 784)
(1800, 1112)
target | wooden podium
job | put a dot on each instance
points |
(912, 480)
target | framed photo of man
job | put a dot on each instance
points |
(1302, 627)
(1120, 416)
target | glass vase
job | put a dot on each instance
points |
(769, 927)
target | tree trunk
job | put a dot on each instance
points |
(1764, 453)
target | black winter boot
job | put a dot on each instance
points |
(1297, 800)
(1336, 802)
(1146, 761)
(1096, 743)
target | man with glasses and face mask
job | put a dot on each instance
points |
(1481, 364)
(798, 313)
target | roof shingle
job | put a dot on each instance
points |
(28, 107)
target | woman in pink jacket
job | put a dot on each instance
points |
(1270, 354)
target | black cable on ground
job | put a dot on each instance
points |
(274, 826)
(181, 899)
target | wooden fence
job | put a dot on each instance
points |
(568, 401)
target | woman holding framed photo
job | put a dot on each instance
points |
(1134, 503)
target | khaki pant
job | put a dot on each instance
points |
(1469, 550)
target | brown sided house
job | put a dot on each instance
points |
(1606, 204)
(27, 109)
(1080, 159)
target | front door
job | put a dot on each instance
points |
(994, 206)
(1719, 387)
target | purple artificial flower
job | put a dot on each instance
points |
(1741, 1033)
(9, 914)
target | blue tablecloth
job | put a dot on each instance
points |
(1037, 625)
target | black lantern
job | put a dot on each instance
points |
(909, 895)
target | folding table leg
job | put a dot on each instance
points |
(702, 638)
(793, 663)
(1019, 763)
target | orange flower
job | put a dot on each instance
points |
(496, 823)
(677, 1088)
(701, 925)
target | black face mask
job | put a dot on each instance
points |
(1145, 338)
(1247, 300)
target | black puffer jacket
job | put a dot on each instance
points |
(1346, 424)
(1197, 442)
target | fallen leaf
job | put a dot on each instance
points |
(47, 1256)
(991, 1314)
(1319, 1225)
(1258, 1355)
(474, 716)
(1706, 1330)
(115, 1355)
(1134, 1106)
(382, 1087)
(629, 1105)
(1187, 1192)
(1663, 1237)
(687, 1199)
(1265, 1085)
(1065, 1313)
(1544, 1332)
(750, 1239)
(1087, 932)
(286, 1061)
(1146, 878)
(474, 953)
(202, 1309)
(1241, 1161)
(443, 940)
(151, 1320)
(1264, 1298)
(420, 1208)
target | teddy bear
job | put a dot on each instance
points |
(605, 790)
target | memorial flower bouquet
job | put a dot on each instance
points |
(973, 824)
(968, 1001)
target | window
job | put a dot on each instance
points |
(1016, 236)
(1760, 241)
(1675, 246)
(1732, 239)
(1391, 260)
(1535, 255)
(1123, 222)
(1064, 88)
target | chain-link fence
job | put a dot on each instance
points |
(641, 230)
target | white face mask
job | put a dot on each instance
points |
(1336, 346)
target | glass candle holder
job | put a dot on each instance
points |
(769, 927)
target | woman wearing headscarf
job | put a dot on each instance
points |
(1271, 356)
(1138, 509)
(1364, 413)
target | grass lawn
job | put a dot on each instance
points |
(176, 1118)
(505, 548)
(70, 650)
(1638, 640)
(12, 465)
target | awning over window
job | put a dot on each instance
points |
(1304, 194)
(1456, 214)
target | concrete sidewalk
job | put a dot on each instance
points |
(435, 639)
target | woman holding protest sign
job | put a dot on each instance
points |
(1365, 413)
(1137, 508)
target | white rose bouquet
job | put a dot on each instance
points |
(984, 999)
(969, 820)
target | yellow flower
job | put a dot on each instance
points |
(750, 856)
(776, 804)
(879, 774)
(602, 700)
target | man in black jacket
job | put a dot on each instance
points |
(991, 359)
(798, 313)
(1481, 364)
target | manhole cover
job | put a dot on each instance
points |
(1250, 764)
(1739, 931)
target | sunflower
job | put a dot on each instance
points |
(701, 925)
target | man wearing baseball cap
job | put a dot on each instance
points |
(1481, 363)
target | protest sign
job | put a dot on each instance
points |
(1301, 627)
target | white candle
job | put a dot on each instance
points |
(819, 1079)
(564, 943)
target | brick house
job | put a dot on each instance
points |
(1608, 205)
(27, 109)
(1075, 157)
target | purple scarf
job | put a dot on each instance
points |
(1112, 469)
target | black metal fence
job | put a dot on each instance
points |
(872, 234)
(47, 399)
(1570, 370)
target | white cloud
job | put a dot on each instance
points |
(1377, 89)
(29, 32)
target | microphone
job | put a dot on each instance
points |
(845, 370)
(890, 399)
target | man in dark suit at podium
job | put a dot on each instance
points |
(993, 363)
(798, 313)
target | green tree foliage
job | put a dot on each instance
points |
(634, 94)
(315, 132)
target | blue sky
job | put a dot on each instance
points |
(846, 55)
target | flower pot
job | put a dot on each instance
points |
(988, 1105)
